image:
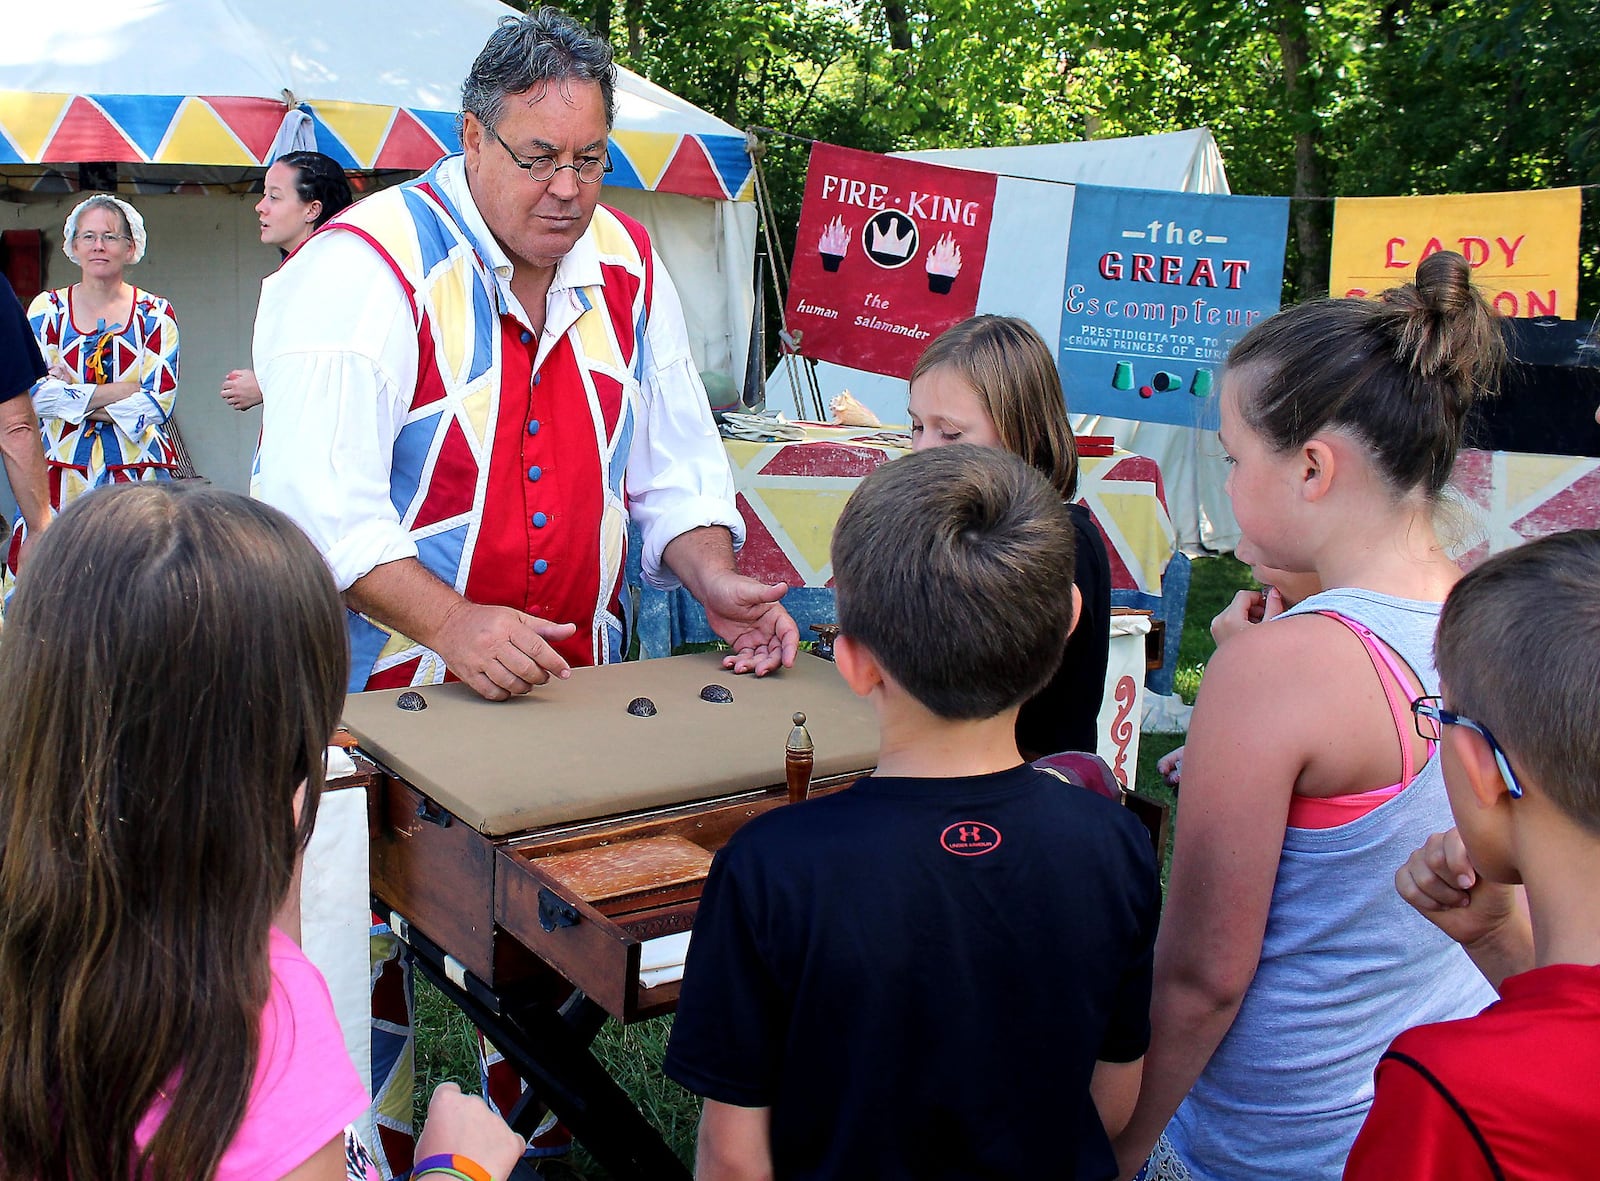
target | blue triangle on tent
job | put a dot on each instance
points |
(8, 150)
(143, 118)
(329, 143)
(730, 158)
(442, 125)
(623, 174)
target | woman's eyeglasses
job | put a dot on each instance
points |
(89, 238)
(1432, 718)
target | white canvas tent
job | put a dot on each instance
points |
(1025, 273)
(193, 92)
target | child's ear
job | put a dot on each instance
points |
(1318, 463)
(1479, 767)
(857, 665)
(1077, 608)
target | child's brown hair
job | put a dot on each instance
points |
(951, 567)
(1518, 651)
(1009, 366)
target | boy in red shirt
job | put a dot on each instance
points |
(1513, 1092)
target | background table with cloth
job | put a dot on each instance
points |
(790, 493)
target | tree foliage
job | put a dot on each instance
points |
(1306, 99)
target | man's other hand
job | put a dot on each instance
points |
(501, 652)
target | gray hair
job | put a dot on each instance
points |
(131, 221)
(526, 51)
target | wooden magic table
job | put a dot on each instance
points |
(543, 857)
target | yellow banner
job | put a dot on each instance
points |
(1523, 247)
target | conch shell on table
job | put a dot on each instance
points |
(844, 410)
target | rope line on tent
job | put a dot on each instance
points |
(794, 365)
(805, 139)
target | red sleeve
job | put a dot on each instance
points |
(1416, 1130)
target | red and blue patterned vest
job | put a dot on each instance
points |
(509, 480)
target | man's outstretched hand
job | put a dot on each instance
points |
(741, 610)
(747, 614)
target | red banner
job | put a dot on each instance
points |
(888, 255)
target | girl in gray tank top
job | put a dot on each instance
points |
(1286, 961)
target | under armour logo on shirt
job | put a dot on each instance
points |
(970, 838)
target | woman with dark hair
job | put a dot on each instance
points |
(1286, 961)
(992, 380)
(301, 192)
(155, 1020)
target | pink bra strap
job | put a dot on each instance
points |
(1382, 658)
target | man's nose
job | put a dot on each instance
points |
(564, 184)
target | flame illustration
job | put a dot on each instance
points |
(945, 257)
(835, 238)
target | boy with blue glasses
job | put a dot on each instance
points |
(1514, 1091)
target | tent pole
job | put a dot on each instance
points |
(780, 281)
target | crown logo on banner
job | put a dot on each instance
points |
(886, 241)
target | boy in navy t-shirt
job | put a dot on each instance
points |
(944, 970)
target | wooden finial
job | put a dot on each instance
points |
(797, 759)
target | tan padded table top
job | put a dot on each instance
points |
(570, 751)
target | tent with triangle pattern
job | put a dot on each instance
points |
(206, 82)
(176, 104)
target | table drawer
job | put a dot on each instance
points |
(597, 952)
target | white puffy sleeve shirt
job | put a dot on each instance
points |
(336, 355)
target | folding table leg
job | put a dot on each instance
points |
(550, 1049)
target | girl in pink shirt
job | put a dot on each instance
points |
(170, 672)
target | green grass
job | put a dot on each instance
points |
(446, 1046)
(1212, 585)
(447, 1052)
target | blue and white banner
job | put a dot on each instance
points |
(1159, 286)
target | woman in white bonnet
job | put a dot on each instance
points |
(113, 355)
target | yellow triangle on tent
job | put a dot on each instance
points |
(362, 126)
(199, 136)
(1528, 476)
(805, 516)
(28, 119)
(1145, 544)
(648, 151)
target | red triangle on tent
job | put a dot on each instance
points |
(86, 134)
(825, 460)
(254, 120)
(408, 145)
(690, 173)
(762, 557)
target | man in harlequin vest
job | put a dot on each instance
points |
(472, 381)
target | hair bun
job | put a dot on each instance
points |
(1444, 282)
(1442, 327)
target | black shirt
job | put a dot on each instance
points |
(21, 363)
(918, 976)
(1064, 714)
